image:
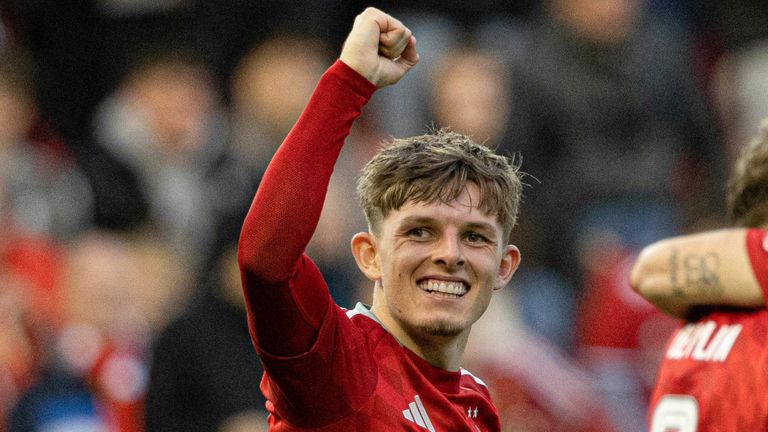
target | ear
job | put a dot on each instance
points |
(366, 255)
(509, 263)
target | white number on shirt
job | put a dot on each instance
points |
(675, 413)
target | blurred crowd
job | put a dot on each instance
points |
(133, 134)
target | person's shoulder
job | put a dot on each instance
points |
(472, 383)
(362, 317)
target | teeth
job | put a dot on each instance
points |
(454, 288)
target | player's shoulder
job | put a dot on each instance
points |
(472, 383)
(363, 318)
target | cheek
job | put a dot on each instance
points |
(485, 263)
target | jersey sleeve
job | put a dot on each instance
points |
(757, 248)
(306, 342)
(286, 297)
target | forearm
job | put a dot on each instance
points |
(706, 269)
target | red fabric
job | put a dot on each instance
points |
(729, 395)
(285, 212)
(37, 262)
(118, 381)
(30, 275)
(757, 247)
(324, 370)
(728, 389)
(614, 316)
(322, 384)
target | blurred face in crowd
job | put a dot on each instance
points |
(176, 98)
(470, 95)
(273, 83)
(605, 22)
(120, 286)
(97, 289)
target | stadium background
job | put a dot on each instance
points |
(134, 132)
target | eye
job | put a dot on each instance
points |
(418, 233)
(474, 237)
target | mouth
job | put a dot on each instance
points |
(449, 289)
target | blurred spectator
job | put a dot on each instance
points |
(166, 125)
(96, 375)
(269, 88)
(621, 337)
(608, 115)
(42, 192)
(205, 373)
(471, 94)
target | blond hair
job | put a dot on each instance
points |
(436, 168)
(747, 194)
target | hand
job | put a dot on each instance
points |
(380, 48)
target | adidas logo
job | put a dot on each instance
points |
(417, 414)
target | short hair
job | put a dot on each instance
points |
(436, 168)
(747, 194)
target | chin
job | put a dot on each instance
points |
(441, 328)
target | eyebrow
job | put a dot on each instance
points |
(427, 220)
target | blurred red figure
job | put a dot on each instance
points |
(29, 312)
(620, 336)
(94, 371)
(44, 198)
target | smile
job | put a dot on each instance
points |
(447, 289)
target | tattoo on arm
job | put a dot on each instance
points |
(695, 273)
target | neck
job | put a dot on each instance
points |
(444, 352)
(440, 351)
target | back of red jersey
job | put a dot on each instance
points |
(714, 376)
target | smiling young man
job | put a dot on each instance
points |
(440, 209)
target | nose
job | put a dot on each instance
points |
(449, 252)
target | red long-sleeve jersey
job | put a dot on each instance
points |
(714, 376)
(328, 369)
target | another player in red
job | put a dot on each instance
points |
(439, 208)
(714, 374)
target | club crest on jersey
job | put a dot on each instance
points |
(704, 342)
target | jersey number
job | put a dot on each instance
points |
(675, 413)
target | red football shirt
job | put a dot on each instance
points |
(714, 376)
(328, 369)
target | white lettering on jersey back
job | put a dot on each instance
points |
(704, 342)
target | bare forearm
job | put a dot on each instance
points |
(711, 268)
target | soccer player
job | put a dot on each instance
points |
(714, 374)
(439, 210)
